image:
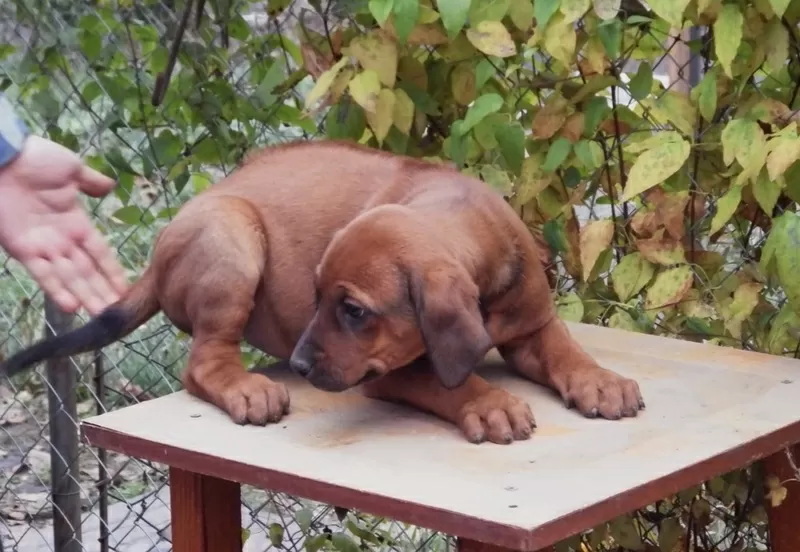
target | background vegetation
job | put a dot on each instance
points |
(652, 147)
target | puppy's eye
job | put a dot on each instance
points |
(353, 311)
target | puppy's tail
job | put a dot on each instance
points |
(118, 320)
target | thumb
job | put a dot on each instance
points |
(94, 183)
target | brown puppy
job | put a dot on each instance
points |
(427, 259)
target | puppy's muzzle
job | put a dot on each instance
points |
(302, 361)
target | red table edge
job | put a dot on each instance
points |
(457, 525)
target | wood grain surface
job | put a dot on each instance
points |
(709, 410)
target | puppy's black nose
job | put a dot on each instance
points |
(300, 365)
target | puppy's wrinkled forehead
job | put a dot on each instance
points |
(362, 257)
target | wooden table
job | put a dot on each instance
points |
(709, 411)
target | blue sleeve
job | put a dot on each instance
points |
(13, 132)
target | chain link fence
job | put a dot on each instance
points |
(98, 77)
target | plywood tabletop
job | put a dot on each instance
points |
(709, 410)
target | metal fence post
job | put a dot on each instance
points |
(63, 416)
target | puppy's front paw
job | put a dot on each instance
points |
(596, 391)
(255, 399)
(498, 416)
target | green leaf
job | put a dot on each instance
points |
(420, 97)
(557, 154)
(91, 44)
(726, 207)
(454, 15)
(707, 96)
(543, 10)
(656, 165)
(303, 518)
(596, 111)
(381, 10)
(346, 120)
(554, 235)
(610, 35)
(275, 76)
(728, 29)
(787, 256)
(343, 543)
(406, 13)
(511, 139)
(572, 177)
(488, 10)
(480, 108)
(641, 83)
(276, 534)
(589, 153)
(131, 215)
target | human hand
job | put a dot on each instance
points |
(44, 226)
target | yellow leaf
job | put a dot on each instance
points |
(777, 496)
(462, 83)
(560, 39)
(670, 10)
(742, 140)
(551, 117)
(776, 42)
(606, 9)
(779, 6)
(595, 54)
(364, 88)
(521, 14)
(574, 9)
(570, 307)
(674, 107)
(655, 166)
(631, 274)
(340, 83)
(427, 14)
(784, 153)
(623, 321)
(492, 38)
(669, 287)
(692, 305)
(381, 120)
(745, 300)
(728, 29)
(403, 115)
(661, 250)
(324, 83)
(766, 191)
(532, 179)
(595, 238)
(377, 52)
(726, 207)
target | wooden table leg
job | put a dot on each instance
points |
(206, 513)
(466, 545)
(784, 529)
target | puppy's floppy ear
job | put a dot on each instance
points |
(445, 302)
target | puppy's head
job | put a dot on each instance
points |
(386, 294)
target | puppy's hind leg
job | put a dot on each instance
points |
(225, 263)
